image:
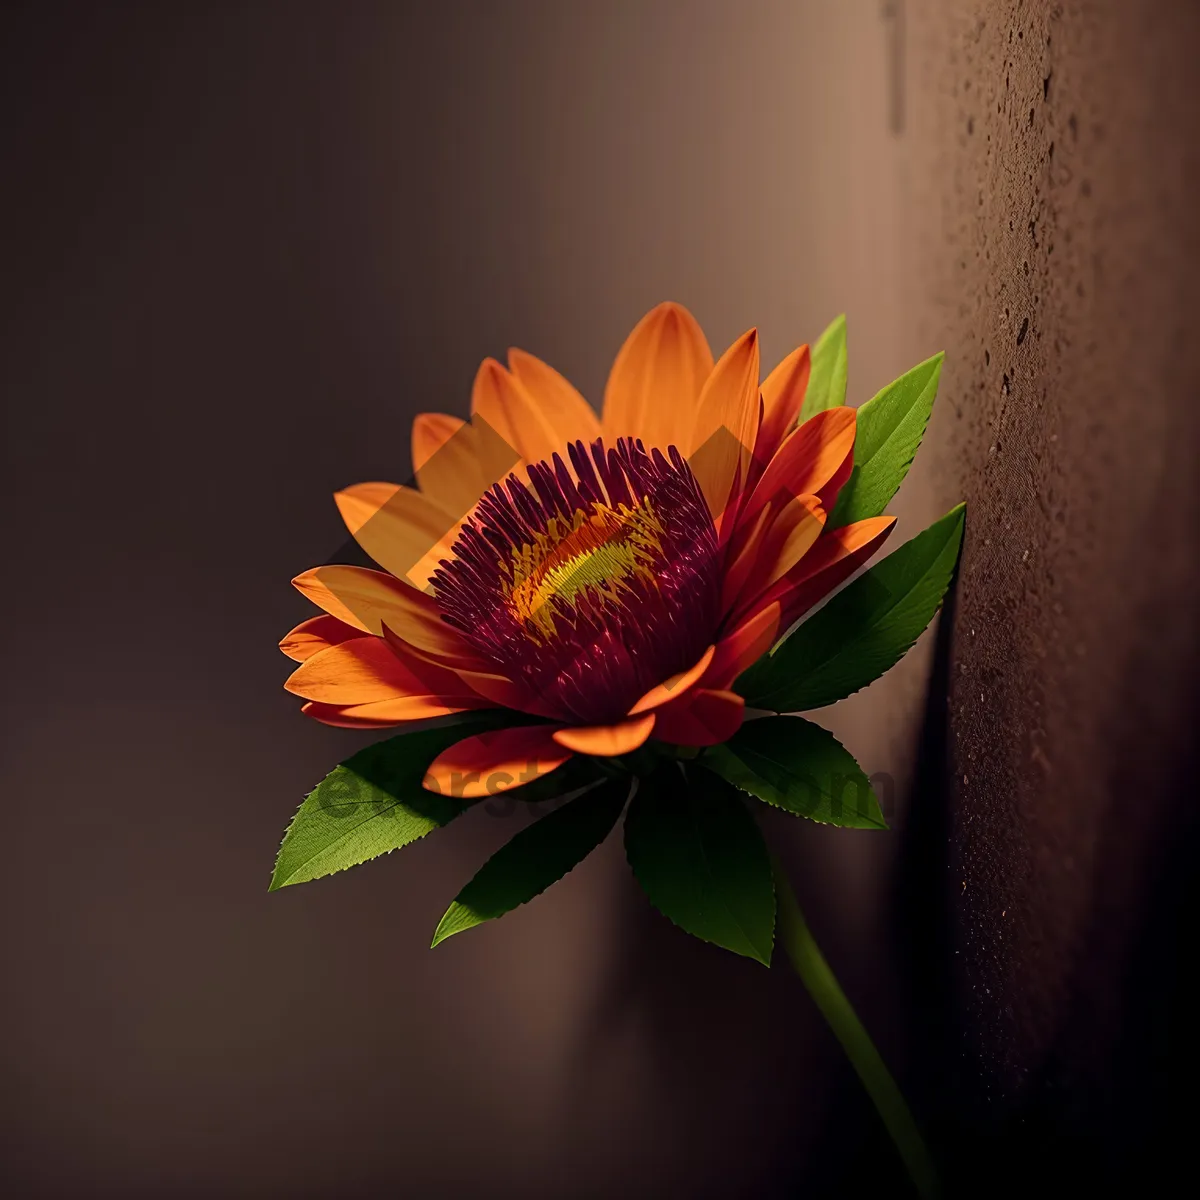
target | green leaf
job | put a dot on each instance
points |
(374, 802)
(798, 766)
(537, 857)
(827, 380)
(864, 630)
(698, 854)
(890, 427)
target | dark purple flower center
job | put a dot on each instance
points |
(592, 586)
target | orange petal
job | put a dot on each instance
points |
(743, 551)
(381, 713)
(449, 469)
(828, 492)
(747, 642)
(793, 533)
(495, 762)
(438, 674)
(355, 672)
(607, 741)
(706, 717)
(316, 634)
(498, 400)
(726, 425)
(810, 457)
(673, 688)
(835, 557)
(340, 716)
(430, 432)
(402, 530)
(499, 690)
(366, 599)
(656, 378)
(356, 595)
(566, 411)
(783, 394)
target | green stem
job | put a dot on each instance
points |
(806, 957)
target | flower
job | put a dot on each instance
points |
(609, 578)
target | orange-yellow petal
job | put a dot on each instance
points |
(810, 457)
(404, 531)
(504, 405)
(382, 714)
(430, 432)
(316, 634)
(438, 673)
(356, 595)
(706, 717)
(342, 717)
(726, 424)
(355, 672)
(782, 394)
(607, 741)
(448, 466)
(367, 599)
(495, 762)
(565, 410)
(656, 379)
(673, 688)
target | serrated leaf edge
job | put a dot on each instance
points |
(759, 697)
(290, 881)
(837, 517)
(699, 936)
(454, 904)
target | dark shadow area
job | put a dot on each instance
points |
(921, 918)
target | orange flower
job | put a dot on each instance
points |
(616, 581)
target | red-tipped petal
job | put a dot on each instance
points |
(496, 762)
(747, 642)
(505, 692)
(794, 531)
(742, 554)
(673, 688)
(835, 557)
(811, 457)
(706, 717)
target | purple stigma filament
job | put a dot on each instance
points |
(593, 583)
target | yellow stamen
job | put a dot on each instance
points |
(598, 552)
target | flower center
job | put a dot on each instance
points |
(597, 551)
(591, 586)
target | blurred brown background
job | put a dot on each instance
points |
(246, 243)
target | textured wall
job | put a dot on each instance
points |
(1056, 164)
